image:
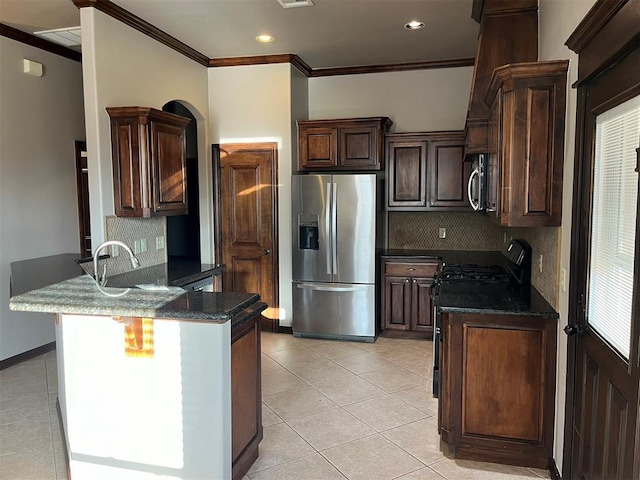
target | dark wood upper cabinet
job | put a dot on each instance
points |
(406, 171)
(347, 144)
(448, 173)
(508, 34)
(426, 171)
(526, 143)
(149, 162)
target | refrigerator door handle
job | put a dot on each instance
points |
(327, 228)
(334, 226)
(331, 287)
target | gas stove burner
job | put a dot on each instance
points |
(461, 273)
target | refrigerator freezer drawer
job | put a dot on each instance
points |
(334, 310)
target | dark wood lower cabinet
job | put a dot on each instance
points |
(246, 396)
(406, 298)
(497, 393)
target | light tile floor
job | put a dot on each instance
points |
(347, 410)
(331, 410)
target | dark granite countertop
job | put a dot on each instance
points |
(173, 273)
(81, 295)
(453, 257)
(488, 299)
(491, 299)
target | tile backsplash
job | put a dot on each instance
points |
(544, 241)
(129, 230)
(473, 231)
(464, 231)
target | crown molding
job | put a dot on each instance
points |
(396, 67)
(593, 22)
(128, 18)
(262, 60)
(41, 43)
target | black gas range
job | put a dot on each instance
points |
(512, 271)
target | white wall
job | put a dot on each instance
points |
(123, 67)
(557, 20)
(39, 122)
(259, 104)
(418, 100)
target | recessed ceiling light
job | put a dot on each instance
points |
(265, 38)
(414, 25)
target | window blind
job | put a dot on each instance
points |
(613, 226)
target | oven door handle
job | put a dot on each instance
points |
(474, 205)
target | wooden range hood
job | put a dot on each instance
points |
(508, 34)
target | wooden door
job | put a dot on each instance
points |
(397, 301)
(246, 221)
(421, 309)
(318, 147)
(494, 170)
(359, 147)
(407, 169)
(602, 404)
(169, 168)
(449, 175)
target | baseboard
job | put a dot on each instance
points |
(282, 329)
(28, 355)
(553, 470)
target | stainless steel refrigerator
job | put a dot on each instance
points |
(337, 225)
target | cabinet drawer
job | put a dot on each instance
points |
(406, 269)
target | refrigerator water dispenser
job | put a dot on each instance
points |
(308, 231)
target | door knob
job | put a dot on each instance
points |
(266, 251)
(573, 329)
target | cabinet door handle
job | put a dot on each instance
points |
(406, 280)
(414, 281)
(411, 269)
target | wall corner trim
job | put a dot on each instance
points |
(137, 23)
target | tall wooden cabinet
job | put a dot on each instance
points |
(149, 162)
(426, 171)
(526, 143)
(406, 299)
(345, 144)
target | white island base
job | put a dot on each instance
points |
(159, 415)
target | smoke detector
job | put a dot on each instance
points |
(69, 37)
(295, 3)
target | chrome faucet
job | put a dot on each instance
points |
(102, 281)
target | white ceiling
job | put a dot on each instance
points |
(332, 33)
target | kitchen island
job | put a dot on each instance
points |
(155, 383)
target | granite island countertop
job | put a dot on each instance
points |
(36, 273)
(81, 295)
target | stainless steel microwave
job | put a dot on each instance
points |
(477, 187)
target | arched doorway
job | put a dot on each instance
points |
(183, 231)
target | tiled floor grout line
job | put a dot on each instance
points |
(395, 440)
(376, 432)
